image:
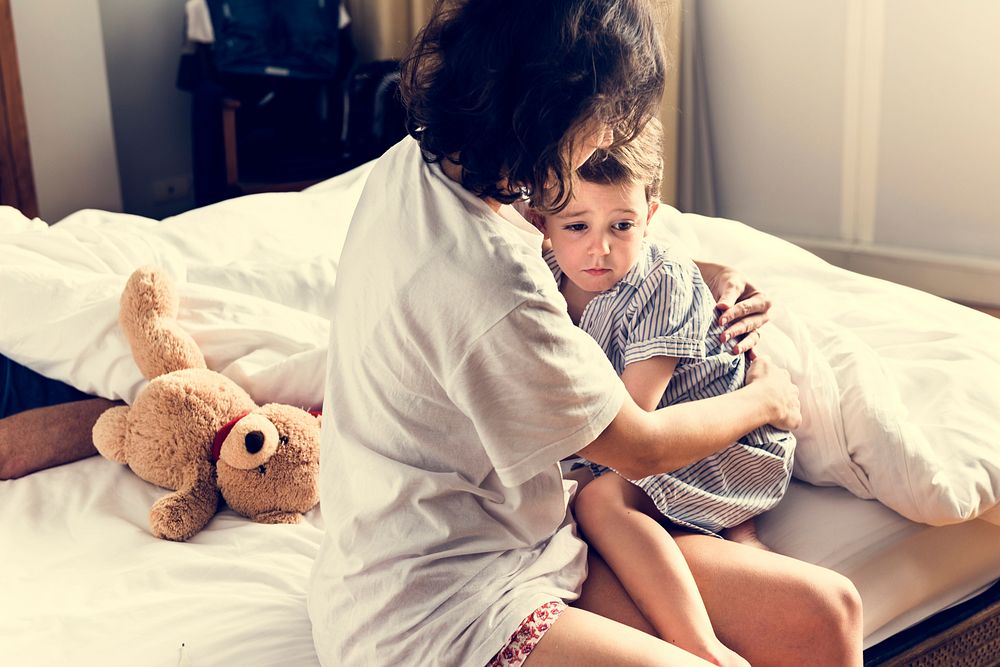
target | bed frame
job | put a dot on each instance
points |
(966, 635)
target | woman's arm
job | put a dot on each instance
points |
(647, 380)
(639, 443)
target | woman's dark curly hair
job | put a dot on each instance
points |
(507, 86)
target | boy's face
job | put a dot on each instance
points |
(597, 238)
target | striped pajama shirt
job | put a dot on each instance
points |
(662, 307)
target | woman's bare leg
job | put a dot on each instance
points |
(605, 628)
(45, 437)
(772, 609)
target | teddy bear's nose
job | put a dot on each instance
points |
(253, 441)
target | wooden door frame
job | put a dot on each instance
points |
(17, 183)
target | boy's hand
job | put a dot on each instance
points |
(743, 308)
(777, 389)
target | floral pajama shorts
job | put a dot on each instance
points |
(524, 639)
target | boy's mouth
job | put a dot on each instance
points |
(597, 272)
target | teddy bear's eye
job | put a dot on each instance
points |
(283, 440)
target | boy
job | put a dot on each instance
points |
(654, 317)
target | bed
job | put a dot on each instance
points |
(898, 465)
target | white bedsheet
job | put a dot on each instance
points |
(84, 583)
(254, 275)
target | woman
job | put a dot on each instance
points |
(456, 381)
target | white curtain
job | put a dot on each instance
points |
(383, 29)
(671, 13)
(695, 169)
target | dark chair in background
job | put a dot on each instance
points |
(279, 102)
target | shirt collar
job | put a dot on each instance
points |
(510, 216)
(634, 276)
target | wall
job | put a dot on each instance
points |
(107, 125)
(60, 51)
(939, 140)
(152, 118)
(864, 130)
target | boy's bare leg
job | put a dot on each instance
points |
(50, 436)
(617, 519)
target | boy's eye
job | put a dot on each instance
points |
(623, 226)
(575, 227)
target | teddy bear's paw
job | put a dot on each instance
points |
(179, 515)
(278, 516)
(171, 519)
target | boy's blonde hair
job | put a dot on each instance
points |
(638, 161)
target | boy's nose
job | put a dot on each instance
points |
(600, 247)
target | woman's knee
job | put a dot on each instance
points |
(822, 618)
(835, 614)
(841, 600)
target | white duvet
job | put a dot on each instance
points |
(900, 389)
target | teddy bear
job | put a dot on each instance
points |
(196, 432)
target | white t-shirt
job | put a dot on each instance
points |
(456, 382)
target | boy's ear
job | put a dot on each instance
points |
(653, 205)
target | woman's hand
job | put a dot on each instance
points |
(778, 391)
(743, 308)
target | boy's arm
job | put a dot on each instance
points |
(646, 380)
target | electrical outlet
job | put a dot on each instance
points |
(171, 189)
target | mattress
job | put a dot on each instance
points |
(905, 571)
